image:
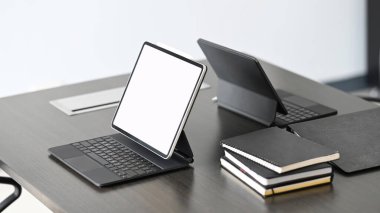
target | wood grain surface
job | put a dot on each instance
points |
(30, 125)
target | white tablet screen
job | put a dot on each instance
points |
(157, 97)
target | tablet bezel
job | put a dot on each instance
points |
(184, 116)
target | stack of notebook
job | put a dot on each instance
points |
(273, 161)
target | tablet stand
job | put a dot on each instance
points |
(246, 102)
(183, 149)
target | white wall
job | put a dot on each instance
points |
(45, 42)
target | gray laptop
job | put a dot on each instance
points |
(150, 120)
(244, 88)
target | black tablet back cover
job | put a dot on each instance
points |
(356, 136)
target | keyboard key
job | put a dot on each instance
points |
(97, 158)
(85, 143)
(116, 157)
(92, 141)
(130, 174)
(295, 113)
(140, 172)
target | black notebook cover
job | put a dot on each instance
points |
(279, 148)
(269, 174)
(355, 135)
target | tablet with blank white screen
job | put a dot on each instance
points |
(158, 98)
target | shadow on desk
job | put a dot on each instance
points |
(232, 124)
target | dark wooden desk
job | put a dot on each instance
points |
(30, 125)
